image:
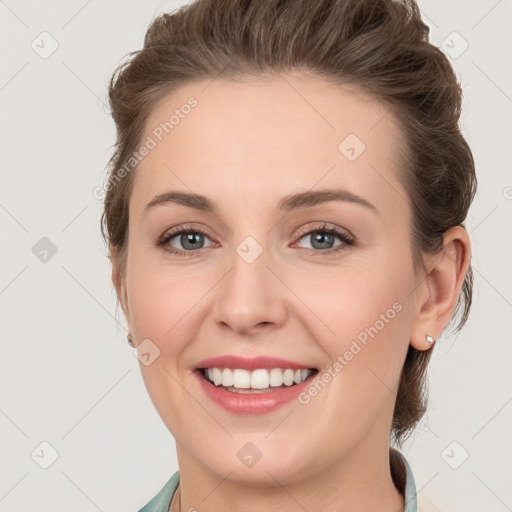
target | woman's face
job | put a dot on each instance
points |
(254, 279)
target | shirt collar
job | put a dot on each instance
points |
(409, 490)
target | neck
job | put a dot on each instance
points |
(362, 481)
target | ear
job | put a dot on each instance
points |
(116, 279)
(439, 290)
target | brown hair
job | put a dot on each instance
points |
(379, 46)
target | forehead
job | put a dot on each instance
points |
(270, 136)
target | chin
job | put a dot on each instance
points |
(278, 467)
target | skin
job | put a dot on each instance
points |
(245, 146)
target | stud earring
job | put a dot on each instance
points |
(430, 340)
(129, 338)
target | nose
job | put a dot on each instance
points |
(251, 297)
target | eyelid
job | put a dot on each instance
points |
(347, 239)
(178, 229)
(344, 236)
(325, 226)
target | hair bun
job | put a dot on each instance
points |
(423, 26)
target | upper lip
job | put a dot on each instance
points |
(253, 363)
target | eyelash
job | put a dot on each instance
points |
(347, 239)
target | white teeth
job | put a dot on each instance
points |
(276, 377)
(257, 379)
(242, 379)
(227, 377)
(217, 377)
(288, 377)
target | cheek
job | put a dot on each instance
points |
(161, 298)
(162, 304)
(352, 298)
(369, 313)
(366, 314)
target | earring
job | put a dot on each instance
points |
(129, 338)
(430, 340)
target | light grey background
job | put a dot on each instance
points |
(67, 375)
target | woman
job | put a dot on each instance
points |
(285, 216)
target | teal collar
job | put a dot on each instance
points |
(410, 499)
(162, 501)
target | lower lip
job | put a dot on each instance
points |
(251, 403)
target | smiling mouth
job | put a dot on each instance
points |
(239, 380)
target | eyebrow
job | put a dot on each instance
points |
(286, 204)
